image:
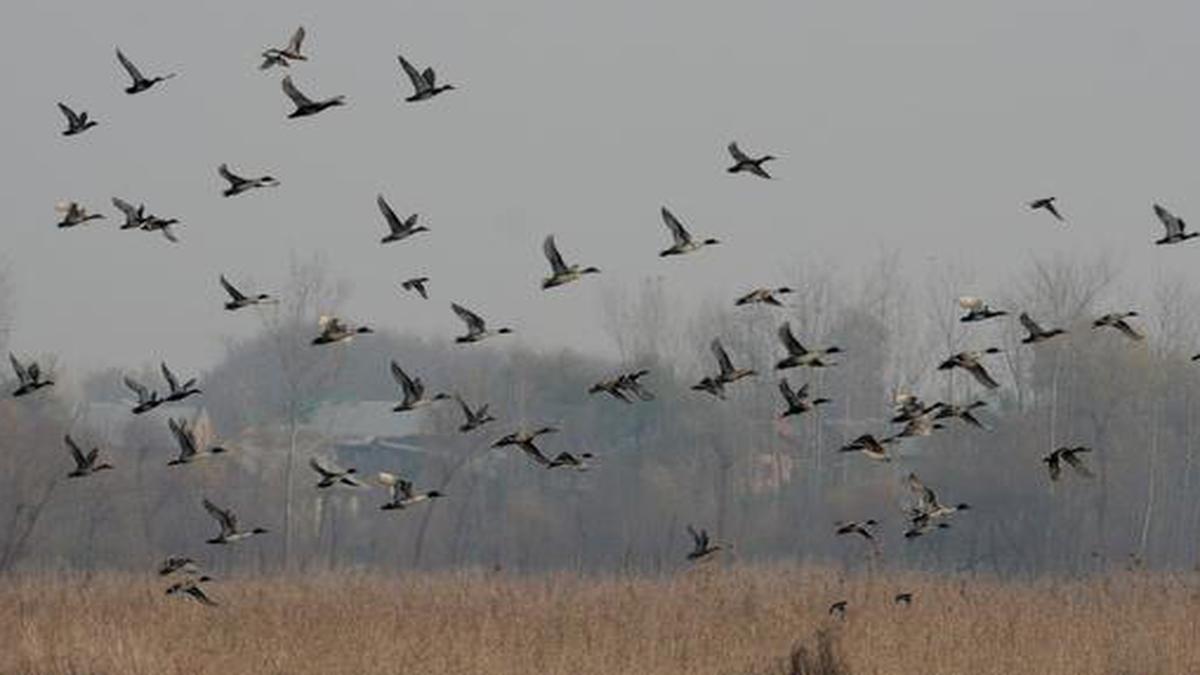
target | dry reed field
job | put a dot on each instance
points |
(739, 620)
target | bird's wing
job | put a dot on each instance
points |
(137, 388)
(183, 436)
(1029, 324)
(982, 376)
(738, 155)
(677, 230)
(430, 77)
(393, 221)
(552, 254)
(134, 73)
(789, 340)
(128, 209)
(789, 396)
(473, 320)
(72, 118)
(1169, 220)
(1128, 330)
(418, 82)
(293, 93)
(405, 488)
(169, 377)
(230, 176)
(723, 360)
(225, 517)
(297, 40)
(406, 383)
(234, 293)
(22, 374)
(1075, 462)
(76, 452)
(320, 468)
(466, 409)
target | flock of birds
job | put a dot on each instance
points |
(928, 513)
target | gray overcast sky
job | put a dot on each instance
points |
(918, 125)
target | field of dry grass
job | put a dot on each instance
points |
(738, 620)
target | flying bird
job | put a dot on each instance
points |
(799, 355)
(73, 214)
(29, 377)
(397, 229)
(473, 417)
(1036, 332)
(402, 492)
(962, 412)
(305, 106)
(238, 300)
(972, 363)
(140, 82)
(525, 441)
(763, 296)
(239, 184)
(77, 123)
(189, 446)
(414, 391)
(1069, 456)
(1176, 228)
(146, 400)
(229, 526)
(729, 374)
(870, 446)
(424, 84)
(284, 56)
(702, 548)
(977, 310)
(86, 464)
(189, 589)
(476, 327)
(797, 400)
(176, 391)
(684, 242)
(1047, 204)
(560, 272)
(860, 527)
(743, 162)
(417, 284)
(331, 474)
(334, 330)
(1118, 321)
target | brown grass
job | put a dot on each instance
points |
(741, 620)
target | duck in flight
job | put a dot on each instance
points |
(189, 589)
(403, 495)
(702, 548)
(238, 300)
(1118, 321)
(397, 229)
(711, 385)
(417, 284)
(799, 355)
(332, 475)
(972, 362)
(728, 373)
(961, 411)
(624, 387)
(763, 296)
(239, 184)
(1047, 204)
(684, 242)
(797, 400)
(274, 56)
(977, 310)
(868, 445)
(140, 82)
(176, 391)
(860, 527)
(928, 509)
(138, 219)
(226, 518)
(178, 563)
(86, 464)
(77, 123)
(414, 391)
(29, 377)
(189, 447)
(743, 162)
(334, 330)
(476, 327)
(1068, 456)
(146, 400)
(1176, 228)
(1036, 332)
(73, 214)
(424, 84)
(525, 441)
(305, 106)
(473, 418)
(560, 272)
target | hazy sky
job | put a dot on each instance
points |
(917, 125)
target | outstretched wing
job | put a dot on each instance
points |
(418, 81)
(293, 93)
(134, 73)
(76, 452)
(677, 230)
(1169, 220)
(790, 343)
(325, 471)
(723, 360)
(789, 396)
(982, 375)
(430, 77)
(225, 517)
(169, 377)
(131, 213)
(412, 388)
(22, 374)
(234, 293)
(137, 388)
(293, 45)
(474, 322)
(1030, 325)
(738, 155)
(183, 436)
(230, 176)
(552, 254)
(393, 221)
(72, 118)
